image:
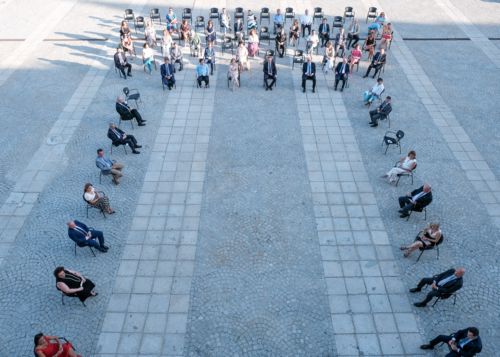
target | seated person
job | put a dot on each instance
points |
(294, 32)
(166, 43)
(355, 57)
(280, 42)
(233, 73)
(72, 283)
(128, 45)
(381, 112)
(353, 33)
(176, 56)
(324, 32)
(185, 31)
(238, 29)
(377, 62)
(253, 43)
(370, 95)
(405, 164)
(121, 63)
(202, 73)
(126, 112)
(426, 238)
(242, 57)
(278, 20)
(167, 74)
(442, 285)
(386, 36)
(370, 44)
(150, 34)
(148, 58)
(93, 197)
(84, 236)
(312, 42)
(464, 343)
(124, 29)
(418, 198)
(340, 42)
(342, 73)
(308, 74)
(209, 56)
(251, 21)
(119, 137)
(270, 73)
(306, 21)
(171, 20)
(210, 34)
(109, 167)
(51, 346)
(225, 22)
(195, 44)
(329, 57)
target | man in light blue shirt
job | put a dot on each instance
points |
(202, 73)
(109, 167)
(278, 20)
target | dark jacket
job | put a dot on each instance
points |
(273, 68)
(424, 200)
(116, 58)
(470, 348)
(451, 286)
(78, 237)
(124, 111)
(339, 67)
(378, 59)
(324, 28)
(163, 70)
(313, 69)
(117, 140)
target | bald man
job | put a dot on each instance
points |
(442, 284)
(418, 198)
(127, 113)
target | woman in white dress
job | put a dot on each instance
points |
(233, 73)
(166, 43)
(406, 164)
(329, 57)
(242, 57)
(150, 35)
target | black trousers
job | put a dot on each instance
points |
(134, 113)
(352, 40)
(280, 48)
(268, 78)
(308, 27)
(179, 61)
(446, 339)
(376, 67)
(203, 79)
(432, 294)
(324, 38)
(404, 201)
(308, 78)
(130, 141)
(169, 82)
(341, 77)
(128, 66)
(212, 65)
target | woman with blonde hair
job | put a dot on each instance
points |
(427, 237)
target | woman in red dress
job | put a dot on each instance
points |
(50, 346)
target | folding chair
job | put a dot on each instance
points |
(187, 14)
(318, 14)
(436, 247)
(139, 23)
(129, 15)
(289, 14)
(298, 57)
(405, 174)
(265, 14)
(349, 12)
(392, 137)
(154, 14)
(264, 34)
(372, 13)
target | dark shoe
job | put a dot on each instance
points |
(105, 247)
(419, 304)
(365, 76)
(414, 290)
(102, 250)
(141, 124)
(342, 89)
(129, 74)
(335, 88)
(136, 152)
(270, 88)
(373, 125)
(267, 88)
(403, 215)
(116, 182)
(303, 90)
(314, 90)
(138, 146)
(112, 212)
(426, 347)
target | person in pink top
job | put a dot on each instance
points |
(355, 56)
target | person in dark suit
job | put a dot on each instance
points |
(377, 63)
(342, 73)
(308, 73)
(324, 32)
(119, 137)
(418, 198)
(270, 73)
(463, 343)
(340, 41)
(442, 284)
(121, 63)
(280, 41)
(83, 236)
(209, 56)
(381, 112)
(167, 74)
(127, 113)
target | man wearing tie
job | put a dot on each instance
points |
(167, 74)
(127, 113)
(308, 73)
(342, 73)
(84, 236)
(464, 342)
(119, 137)
(121, 63)
(324, 32)
(381, 112)
(209, 56)
(445, 283)
(419, 198)
(377, 62)
(270, 73)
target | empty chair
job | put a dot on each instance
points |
(392, 137)
(265, 14)
(349, 12)
(372, 13)
(264, 35)
(228, 44)
(318, 14)
(199, 23)
(269, 53)
(132, 94)
(139, 23)
(298, 57)
(289, 13)
(214, 13)
(338, 21)
(154, 14)
(238, 13)
(187, 14)
(129, 15)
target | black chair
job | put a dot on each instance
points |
(420, 209)
(318, 14)
(446, 297)
(349, 12)
(214, 13)
(154, 14)
(372, 13)
(63, 294)
(227, 44)
(338, 21)
(101, 174)
(431, 247)
(265, 14)
(132, 94)
(405, 174)
(164, 85)
(264, 34)
(238, 13)
(298, 57)
(90, 205)
(139, 23)
(129, 15)
(269, 53)
(124, 148)
(289, 14)
(199, 23)
(131, 120)
(187, 14)
(392, 137)
(117, 70)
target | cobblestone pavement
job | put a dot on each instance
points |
(268, 232)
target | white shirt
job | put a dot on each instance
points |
(417, 196)
(90, 196)
(378, 89)
(314, 39)
(147, 53)
(306, 20)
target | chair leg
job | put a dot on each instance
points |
(83, 303)
(435, 302)
(92, 250)
(100, 177)
(454, 299)
(409, 214)
(425, 214)
(437, 249)
(62, 298)
(397, 181)
(87, 211)
(421, 252)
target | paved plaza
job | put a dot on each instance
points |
(253, 223)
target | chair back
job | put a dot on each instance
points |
(264, 10)
(337, 20)
(318, 10)
(400, 134)
(239, 10)
(298, 56)
(186, 10)
(289, 13)
(126, 91)
(199, 20)
(155, 13)
(440, 240)
(129, 14)
(372, 10)
(139, 21)
(270, 53)
(348, 11)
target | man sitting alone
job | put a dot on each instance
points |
(83, 236)
(119, 137)
(420, 197)
(108, 166)
(464, 342)
(126, 113)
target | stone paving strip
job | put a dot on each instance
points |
(477, 37)
(371, 314)
(475, 166)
